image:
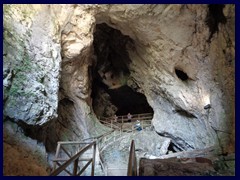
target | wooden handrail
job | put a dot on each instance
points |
(132, 162)
(116, 137)
(134, 117)
(75, 159)
(110, 124)
(108, 141)
(99, 137)
(118, 124)
(62, 167)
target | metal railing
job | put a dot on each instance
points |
(73, 158)
(132, 162)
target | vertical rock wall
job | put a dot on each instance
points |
(54, 49)
(77, 54)
(31, 55)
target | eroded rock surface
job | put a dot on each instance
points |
(31, 63)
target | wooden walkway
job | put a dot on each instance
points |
(123, 123)
(75, 157)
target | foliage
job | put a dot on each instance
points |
(21, 65)
(19, 61)
(6, 9)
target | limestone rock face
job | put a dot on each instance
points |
(169, 37)
(54, 60)
(31, 63)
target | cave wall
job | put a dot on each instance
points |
(31, 63)
(40, 85)
(165, 37)
(76, 76)
(176, 36)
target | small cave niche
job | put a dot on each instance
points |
(110, 92)
(181, 74)
(172, 148)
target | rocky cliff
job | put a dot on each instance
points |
(181, 57)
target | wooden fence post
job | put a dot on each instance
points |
(114, 135)
(75, 167)
(56, 155)
(93, 159)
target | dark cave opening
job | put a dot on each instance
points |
(110, 75)
(129, 101)
(181, 75)
(173, 148)
(214, 17)
(170, 147)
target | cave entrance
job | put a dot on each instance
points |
(110, 91)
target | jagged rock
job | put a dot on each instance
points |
(34, 61)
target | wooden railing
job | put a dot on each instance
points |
(73, 157)
(98, 137)
(103, 141)
(123, 126)
(111, 124)
(122, 122)
(123, 119)
(100, 140)
(132, 162)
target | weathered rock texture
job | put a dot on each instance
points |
(41, 35)
(48, 64)
(175, 36)
(31, 63)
